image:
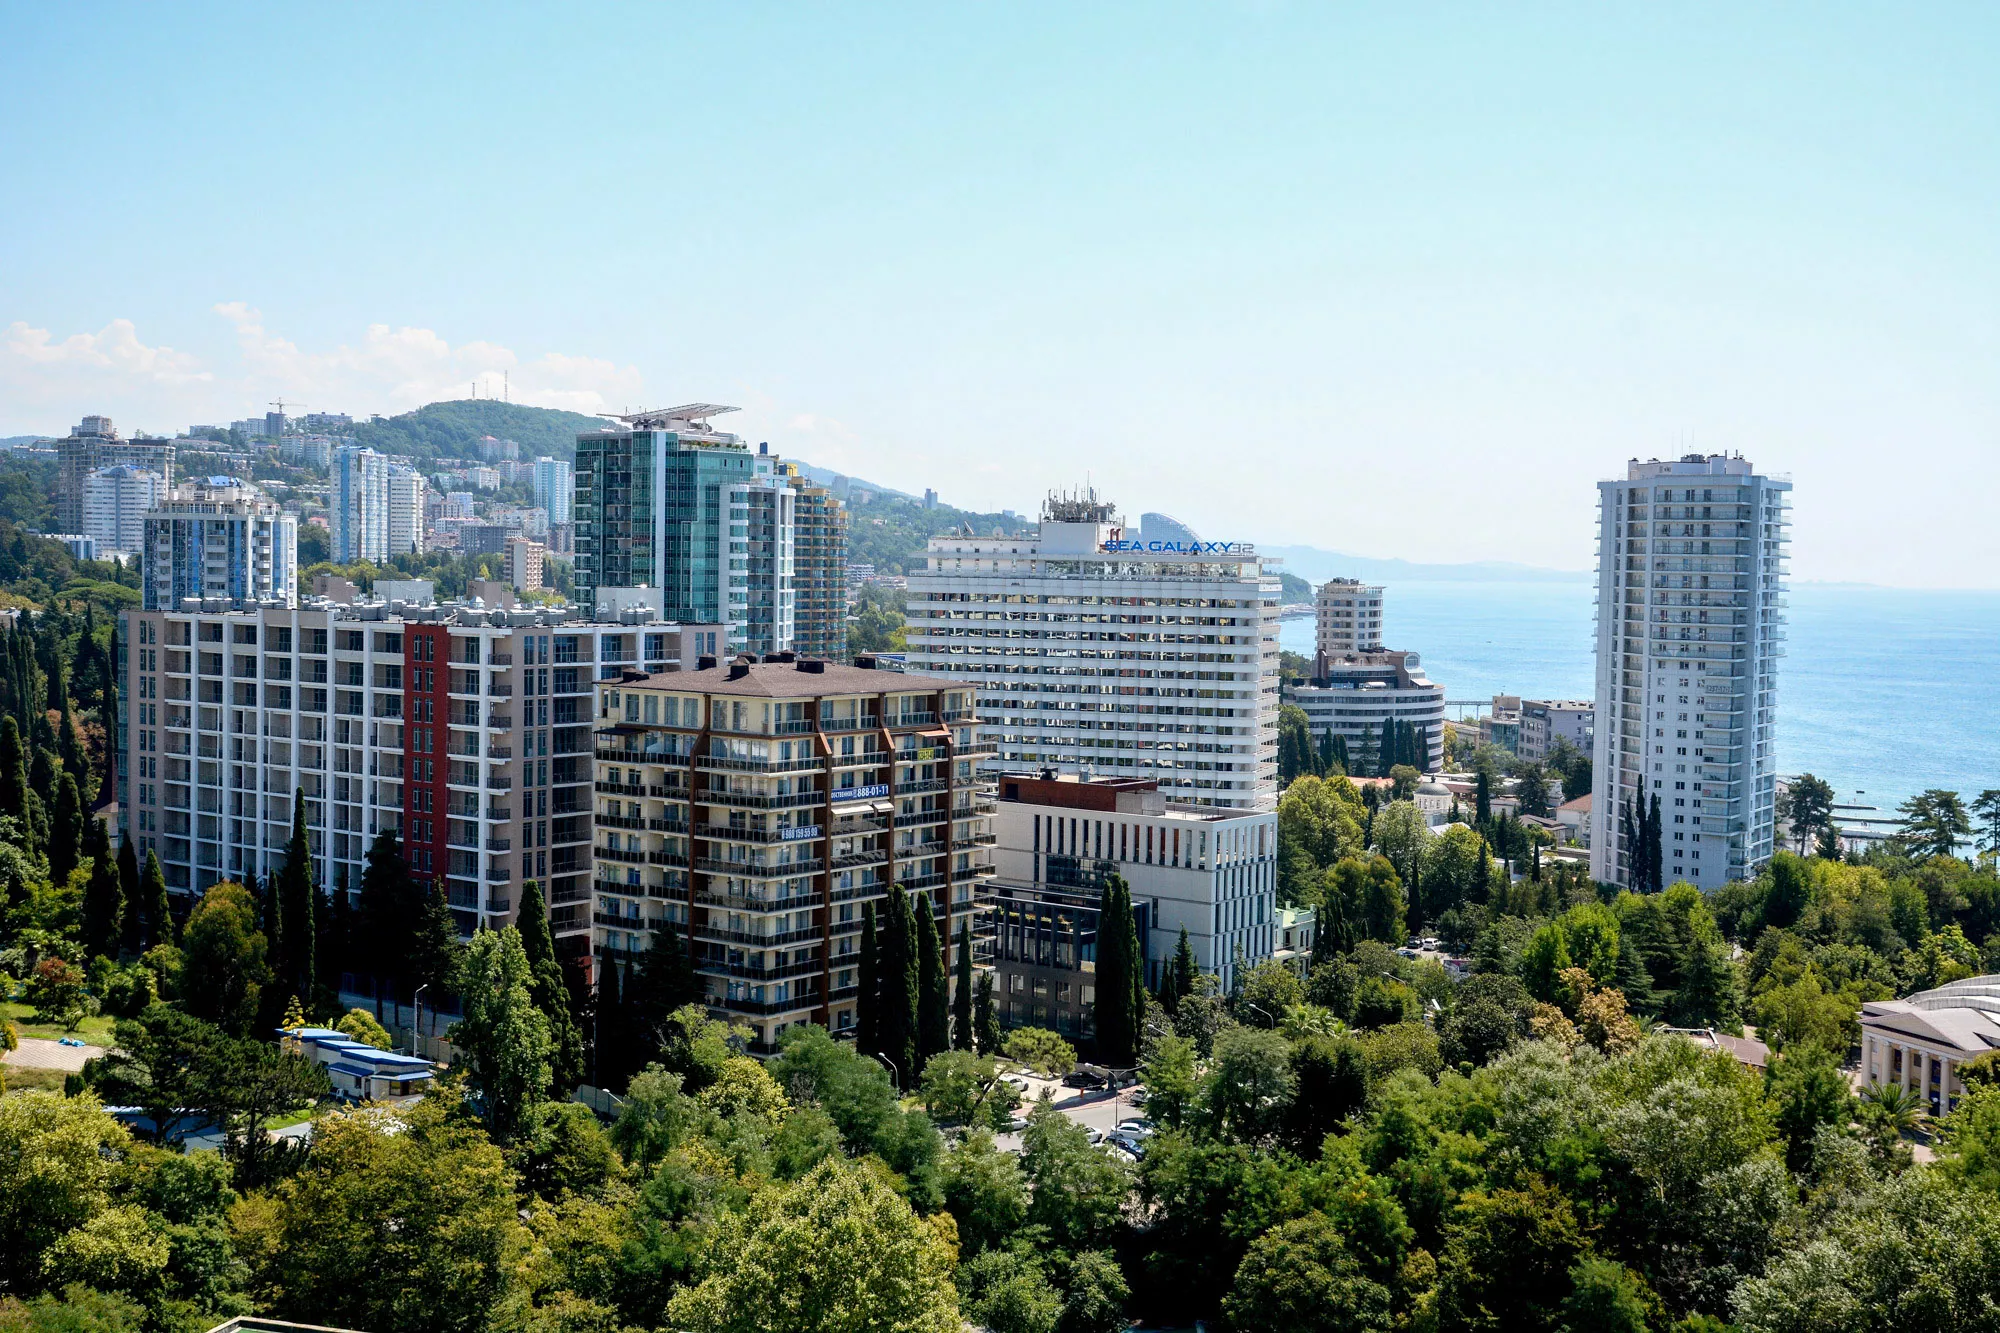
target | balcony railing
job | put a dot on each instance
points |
(745, 870)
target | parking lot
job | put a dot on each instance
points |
(1098, 1109)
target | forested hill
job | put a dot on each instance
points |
(453, 429)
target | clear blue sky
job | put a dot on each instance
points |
(1397, 280)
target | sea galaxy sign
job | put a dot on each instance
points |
(1122, 547)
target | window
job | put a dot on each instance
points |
(246, 634)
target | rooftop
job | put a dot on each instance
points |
(803, 678)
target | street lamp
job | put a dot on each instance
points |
(895, 1078)
(417, 1016)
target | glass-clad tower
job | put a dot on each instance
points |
(1691, 578)
(665, 501)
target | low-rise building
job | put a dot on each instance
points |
(760, 806)
(360, 1072)
(1921, 1043)
(1045, 952)
(1211, 871)
(1574, 816)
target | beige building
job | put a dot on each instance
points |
(1921, 1042)
(524, 563)
(759, 806)
(1349, 616)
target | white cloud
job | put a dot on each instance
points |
(47, 382)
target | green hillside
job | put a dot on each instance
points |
(453, 429)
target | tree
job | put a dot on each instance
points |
(225, 964)
(167, 1064)
(55, 1176)
(664, 983)
(1301, 1276)
(1531, 787)
(103, 896)
(868, 993)
(1371, 897)
(611, 1040)
(504, 1036)
(1809, 1089)
(360, 1025)
(13, 769)
(1403, 835)
(546, 987)
(261, 1083)
(1987, 806)
(985, 1017)
(1482, 807)
(383, 919)
(1182, 969)
(153, 894)
(1075, 1191)
(1606, 1297)
(1250, 1084)
(1787, 891)
(1041, 1051)
(961, 992)
(426, 1197)
(1808, 808)
(59, 992)
(933, 987)
(433, 946)
(838, 1249)
(65, 830)
(1935, 822)
(1121, 999)
(983, 1191)
(132, 924)
(896, 1025)
(297, 900)
(1508, 1257)
(1296, 754)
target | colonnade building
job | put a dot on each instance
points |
(1093, 653)
(1921, 1042)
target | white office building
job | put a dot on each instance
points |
(1355, 692)
(1209, 871)
(1691, 577)
(555, 488)
(1349, 616)
(219, 537)
(358, 505)
(1112, 657)
(406, 489)
(116, 501)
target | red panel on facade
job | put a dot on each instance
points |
(426, 707)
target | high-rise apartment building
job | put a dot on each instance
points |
(466, 730)
(555, 488)
(358, 505)
(1111, 657)
(406, 487)
(524, 563)
(1349, 614)
(116, 501)
(219, 538)
(819, 569)
(93, 446)
(1353, 694)
(1691, 578)
(760, 806)
(666, 501)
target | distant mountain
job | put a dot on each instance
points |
(1310, 562)
(453, 429)
(836, 481)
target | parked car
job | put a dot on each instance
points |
(1132, 1145)
(1096, 1136)
(1138, 1127)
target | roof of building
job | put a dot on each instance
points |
(803, 678)
(1962, 1015)
(1581, 804)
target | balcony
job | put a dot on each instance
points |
(667, 859)
(731, 833)
(916, 817)
(658, 825)
(728, 764)
(762, 1008)
(745, 870)
(499, 845)
(874, 856)
(620, 821)
(757, 800)
(619, 854)
(621, 788)
(742, 902)
(758, 972)
(754, 940)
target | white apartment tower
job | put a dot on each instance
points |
(555, 488)
(406, 510)
(1111, 657)
(116, 501)
(1691, 576)
(1349, 614)
(358, 505)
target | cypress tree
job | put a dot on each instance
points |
(134, 920)
(546, 986)
(607, 1030)
(1184, 968)
(664, 981)
(13, 773)
(330, 936)
(103, 898)
(933, 986)
(1414, 892)
(1657, 849)
(985, 1018)
(868, 997)
(65, 831)
(897, 1023)
(961, 992)
(1328, 758)
(381, 917)
(1120, 976)
(153, 893)
(433, 937)
(1482, 885)
(1482, 809)
(295, 898)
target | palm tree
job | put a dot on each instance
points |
(1898, 1108)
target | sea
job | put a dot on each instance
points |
(1884, 692)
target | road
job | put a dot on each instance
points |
(1097, 1110)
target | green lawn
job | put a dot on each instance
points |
(22, 1078)
(96, 1031)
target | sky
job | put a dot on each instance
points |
(1403, 281)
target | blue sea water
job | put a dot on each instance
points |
(1885, 691)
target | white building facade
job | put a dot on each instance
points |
(1348, 613)
(219, 538)
(1355, 692)
(1095, 654)
(116, 501)
(1211, 872)
(406, 487)
(1691, 579)
(358, 505)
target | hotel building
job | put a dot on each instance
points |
(1691, 576)
(1349, 616)
(1095, 654)
(761, 805)
(1354, 692)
